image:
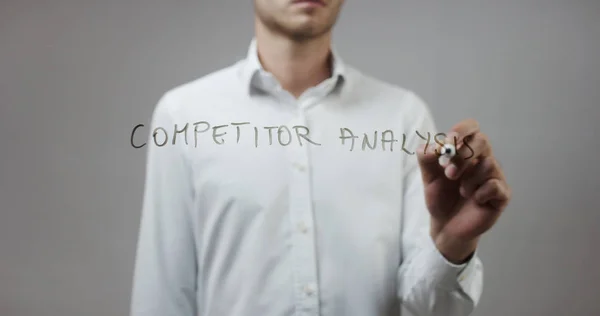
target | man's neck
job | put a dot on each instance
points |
(297, 66)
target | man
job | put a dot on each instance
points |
(269, 192)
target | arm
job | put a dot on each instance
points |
(429, 284)
(164, 281)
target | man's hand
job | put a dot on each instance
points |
(465, 196)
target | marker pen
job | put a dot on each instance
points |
(447, 152)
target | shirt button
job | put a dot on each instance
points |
(309, 289)
(300, 167)
(303, 228)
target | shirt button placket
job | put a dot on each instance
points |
(302, 220)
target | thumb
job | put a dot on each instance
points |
(428, 156)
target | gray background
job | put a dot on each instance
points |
(77, 75)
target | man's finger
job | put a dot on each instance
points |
(432, 165)
(478, 148)
(458, 137)
(465, 128)
(460, 133)
(484, 170)
(493, 191)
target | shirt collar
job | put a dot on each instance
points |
(252, 66)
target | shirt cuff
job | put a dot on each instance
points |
(445, 274)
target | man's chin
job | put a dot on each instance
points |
(303, 35)
(305, 30)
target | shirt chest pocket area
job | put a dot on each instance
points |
(245, 176)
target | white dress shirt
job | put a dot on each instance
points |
(279, 215)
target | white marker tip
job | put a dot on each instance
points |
(448, 150)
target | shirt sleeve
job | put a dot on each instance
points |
(164, 282)
(427, 283)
